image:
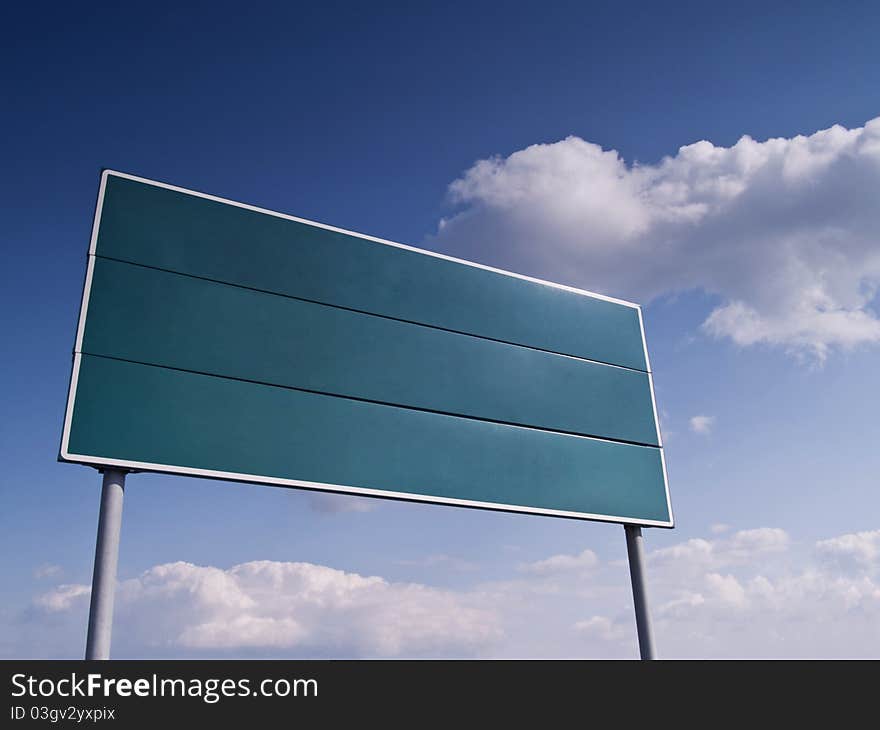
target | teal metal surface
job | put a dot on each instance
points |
(204, 422)
(239, 344)
(160, 318)
(191, 235)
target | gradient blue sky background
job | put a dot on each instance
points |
(364, 116)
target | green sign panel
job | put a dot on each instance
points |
(221, 340)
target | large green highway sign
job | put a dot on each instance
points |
(221, 340)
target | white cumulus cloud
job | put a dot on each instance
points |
(856, 551)
(784, 232)
(586, 560)
(62, 597)
(748, 593)
(740, 548)
(290, 608)
(752, 596)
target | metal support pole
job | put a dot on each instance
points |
(636, 554)
(106, 558)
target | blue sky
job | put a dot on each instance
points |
(376, 118)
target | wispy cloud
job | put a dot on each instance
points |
(47, 570)
(587, 560)
(329, 503)
(702, 424)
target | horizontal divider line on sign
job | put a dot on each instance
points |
(376, 402)
(151, 224)
(198, 425)
(371, 314)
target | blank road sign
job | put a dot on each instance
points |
(221, 340)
